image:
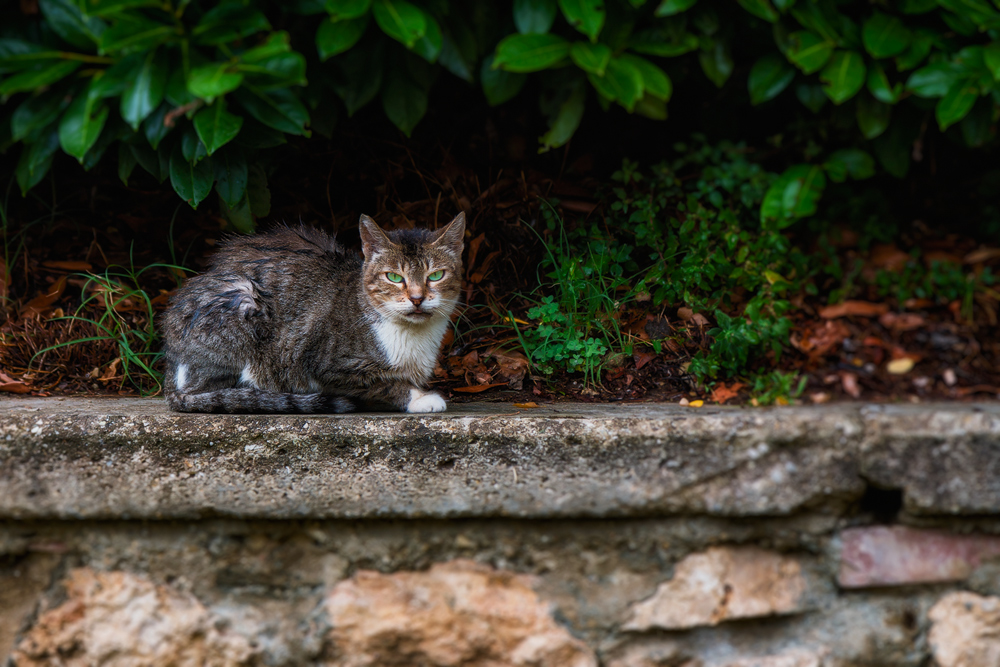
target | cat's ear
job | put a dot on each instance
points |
(373, 239)
(452, 237)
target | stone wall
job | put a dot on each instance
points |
(871, 568)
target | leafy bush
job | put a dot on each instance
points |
(194, 91)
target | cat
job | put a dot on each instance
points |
(289, 321)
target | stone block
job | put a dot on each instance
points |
(965, 630)
(720, 584)
(119, 619)
(791, 658)
(456, 613)
(897, 555)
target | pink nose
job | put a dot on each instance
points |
(417, 300)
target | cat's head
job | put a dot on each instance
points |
(413, 275)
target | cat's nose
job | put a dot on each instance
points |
(416, 300)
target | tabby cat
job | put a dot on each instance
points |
(288, 321)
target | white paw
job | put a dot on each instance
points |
(421, 402)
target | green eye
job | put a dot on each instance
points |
(394, 277)
(437, 275)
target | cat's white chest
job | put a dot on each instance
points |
(412, 350)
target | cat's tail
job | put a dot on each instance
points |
(254, 401)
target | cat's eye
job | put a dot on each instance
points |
(394, 277)
(437, 275)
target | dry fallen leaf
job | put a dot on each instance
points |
(899, 322)
(860, 308)
(849, 381)
(982, 255)
(41, 303)
(696, 404)
(529, 404)
(479, 387)
(818, 339)
(900, 366)
(722, 393)
(642, 357)
(8, 383)
(68, 266)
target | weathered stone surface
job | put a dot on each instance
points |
(22, 585)
(946, 460)
(792, 658)
(893, 555)
(965, 630)
(721, 584)
(132, 458)
(120, 619)
(456, 613)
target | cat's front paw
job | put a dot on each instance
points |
(425, 402)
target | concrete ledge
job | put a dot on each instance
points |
(132, 459)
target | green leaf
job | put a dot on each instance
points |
(894, 148)
(671, 7)
(811, 95)
(258, 194)
(794, 195)
(255, 136)
(230, 175)
(716, 62)
(656, 43)
(113, 81)
(991, 58)
(651, 107)
(155, 129)
(850, 162)
(113, 7)
(655, 81)
(192, 182)
(192, 148)
(228, 22)
(278, 71)
(429, 46)
(591, 58)
(873, 116)
(934, 80)
(534, 17)
(404, 22)
(214, 79)
(360, 77)
(34, 79)
(566, 121)
(843, 76)
(335, 37)
(66, 20)
(921, 42)
(145, 92)
(276, 43)
(114, 130)
(132, 31)
(215, 126)
(404, 101)
(346, 10)
(622, 82)
(885, 36)
(956, 103)
(498, 85)
(239, 215)
(36, 158)
(977, 126)
(80, 126)
(530, 53)
(587, 16)
(177, 92)
(768, 77)
(808, 51)
(278, 108)
(36, 112)
(761, 9)
(878, 85)
(917, 6)
(459, 52)
(126, 162)
(151, 160)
